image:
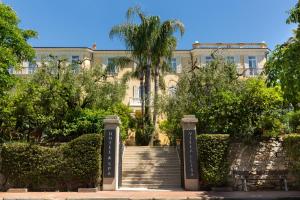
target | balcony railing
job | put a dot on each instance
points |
(249, 72)
(253, 71)
(135, 102)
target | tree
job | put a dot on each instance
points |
(14, 48)
(163, 48)
(283, 66)
(139, 38)
(221, 101)
(57, 103)
(149, 41)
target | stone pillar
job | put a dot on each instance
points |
(111, 152)
(190, 156)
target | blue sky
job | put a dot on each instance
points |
(83, 22)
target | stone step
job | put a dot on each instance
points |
(150, 154)
(156, 158)
(150, 176)
(152, 186)
(153, 169)
(152, 173)
(150, 161)
(128, 170)
(161, 151)
(150, 182)
(151, 150)
(156, 165)
(147, 147)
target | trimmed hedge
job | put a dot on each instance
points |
(212, 154)
(291, 144)
(67, 167)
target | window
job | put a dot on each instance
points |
(252, 65)
(252, 61)
(75, 59)
(173, 64)
(32, 66)
(208, 59)
(75, 64)
(137, 92)
(230, 59)
(111, 67)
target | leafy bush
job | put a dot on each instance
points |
(142, 134)
(291, 144)
(67, 167)
(172, 129)
(212, 154)
(271, 126)
(293, 119)
(223, 103)
(57, 104)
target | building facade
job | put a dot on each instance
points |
(249, 59)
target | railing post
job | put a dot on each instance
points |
(190, 156)
(111, 153)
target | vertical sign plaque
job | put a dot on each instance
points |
(190, 157)
(109, 153)
(190, 153)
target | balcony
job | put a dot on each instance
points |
(135, 102)
(253, 72)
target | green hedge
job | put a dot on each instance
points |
(67, 167)
(212, 153)
(291, 144)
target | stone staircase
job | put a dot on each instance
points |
(151, 168)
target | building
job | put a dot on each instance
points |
(248, 57)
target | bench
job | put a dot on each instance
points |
(270, 175)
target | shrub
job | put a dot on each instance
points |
(212, 154)
(271, 126)
(294, 121)
(67, 167)
(82, 157)
(291, 144)
(224, 104)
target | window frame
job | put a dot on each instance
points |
(173, 65)
(208, 59)
(252, 60)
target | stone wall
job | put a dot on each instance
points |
(259, 158)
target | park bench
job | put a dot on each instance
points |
(269, 175)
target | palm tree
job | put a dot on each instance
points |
(164, 45)
(151, 43)
(139, 38)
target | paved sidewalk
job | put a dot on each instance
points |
(153, 195)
